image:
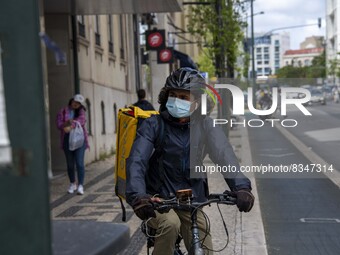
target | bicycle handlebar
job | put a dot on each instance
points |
(228, 198)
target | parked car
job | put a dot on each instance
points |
(317, 97)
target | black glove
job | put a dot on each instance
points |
(245, 200)
(143, 208)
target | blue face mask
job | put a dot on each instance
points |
(178, 108)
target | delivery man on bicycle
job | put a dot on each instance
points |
(150, 173)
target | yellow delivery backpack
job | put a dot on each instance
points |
(128, 122)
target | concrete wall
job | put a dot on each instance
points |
(159, 72)
(105, 79)
(60, 81)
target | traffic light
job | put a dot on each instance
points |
(319, 22)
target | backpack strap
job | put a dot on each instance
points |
(123, 209)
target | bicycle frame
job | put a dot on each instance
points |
(196, 244)
(180, 204)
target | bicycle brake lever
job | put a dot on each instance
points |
(227, 196)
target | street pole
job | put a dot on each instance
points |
(253, 74)
(223, 110)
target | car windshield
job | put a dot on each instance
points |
(316, 93)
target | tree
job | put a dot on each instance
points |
(205, 63)
(309, 73)
(318, 67)
(221, 29)
(334, 69)
(291, 72)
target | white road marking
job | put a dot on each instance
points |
(325, 135)
(319, 220)
(277, 155)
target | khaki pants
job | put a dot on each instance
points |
(169, 225)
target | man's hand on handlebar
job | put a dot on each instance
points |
(142, 206)
(244, 199)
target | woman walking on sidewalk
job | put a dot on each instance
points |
(67, 119)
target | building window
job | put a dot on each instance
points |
(259, 62)
(115, 116)
(266, 56)
(277, 55)
(81, 25)
(88, 115)
(110, 33)
(122, 36)
(266, 62)
(259, 57)
(277, 48)
(277, 62)
(267, 71)
(258, 50)
(266, 49)
(103, 118)
(277, 42)
(307, 62)
(97, 30)
(259, 71)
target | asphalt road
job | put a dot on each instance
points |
(301, 215)
(321, 131)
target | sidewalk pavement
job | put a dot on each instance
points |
(246, 235)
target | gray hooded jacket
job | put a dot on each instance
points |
(167, 169)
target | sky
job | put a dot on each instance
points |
(285, 13)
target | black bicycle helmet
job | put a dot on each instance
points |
(185, 78)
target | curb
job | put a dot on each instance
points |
(253, 236)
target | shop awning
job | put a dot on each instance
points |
(98, 7)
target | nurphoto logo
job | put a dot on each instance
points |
(239, 107)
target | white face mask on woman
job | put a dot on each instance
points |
(179, 108)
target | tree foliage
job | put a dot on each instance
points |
(221, 33)
(334, 68)
(316, 70)
(205, 63)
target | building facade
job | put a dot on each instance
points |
(269, 50)
(301, 57)
(103, 63)
(107, 71)
(332, 42)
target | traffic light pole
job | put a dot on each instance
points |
(290, 27)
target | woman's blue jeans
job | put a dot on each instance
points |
(75, 158)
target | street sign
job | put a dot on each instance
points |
(155, 39)
(165, 56)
